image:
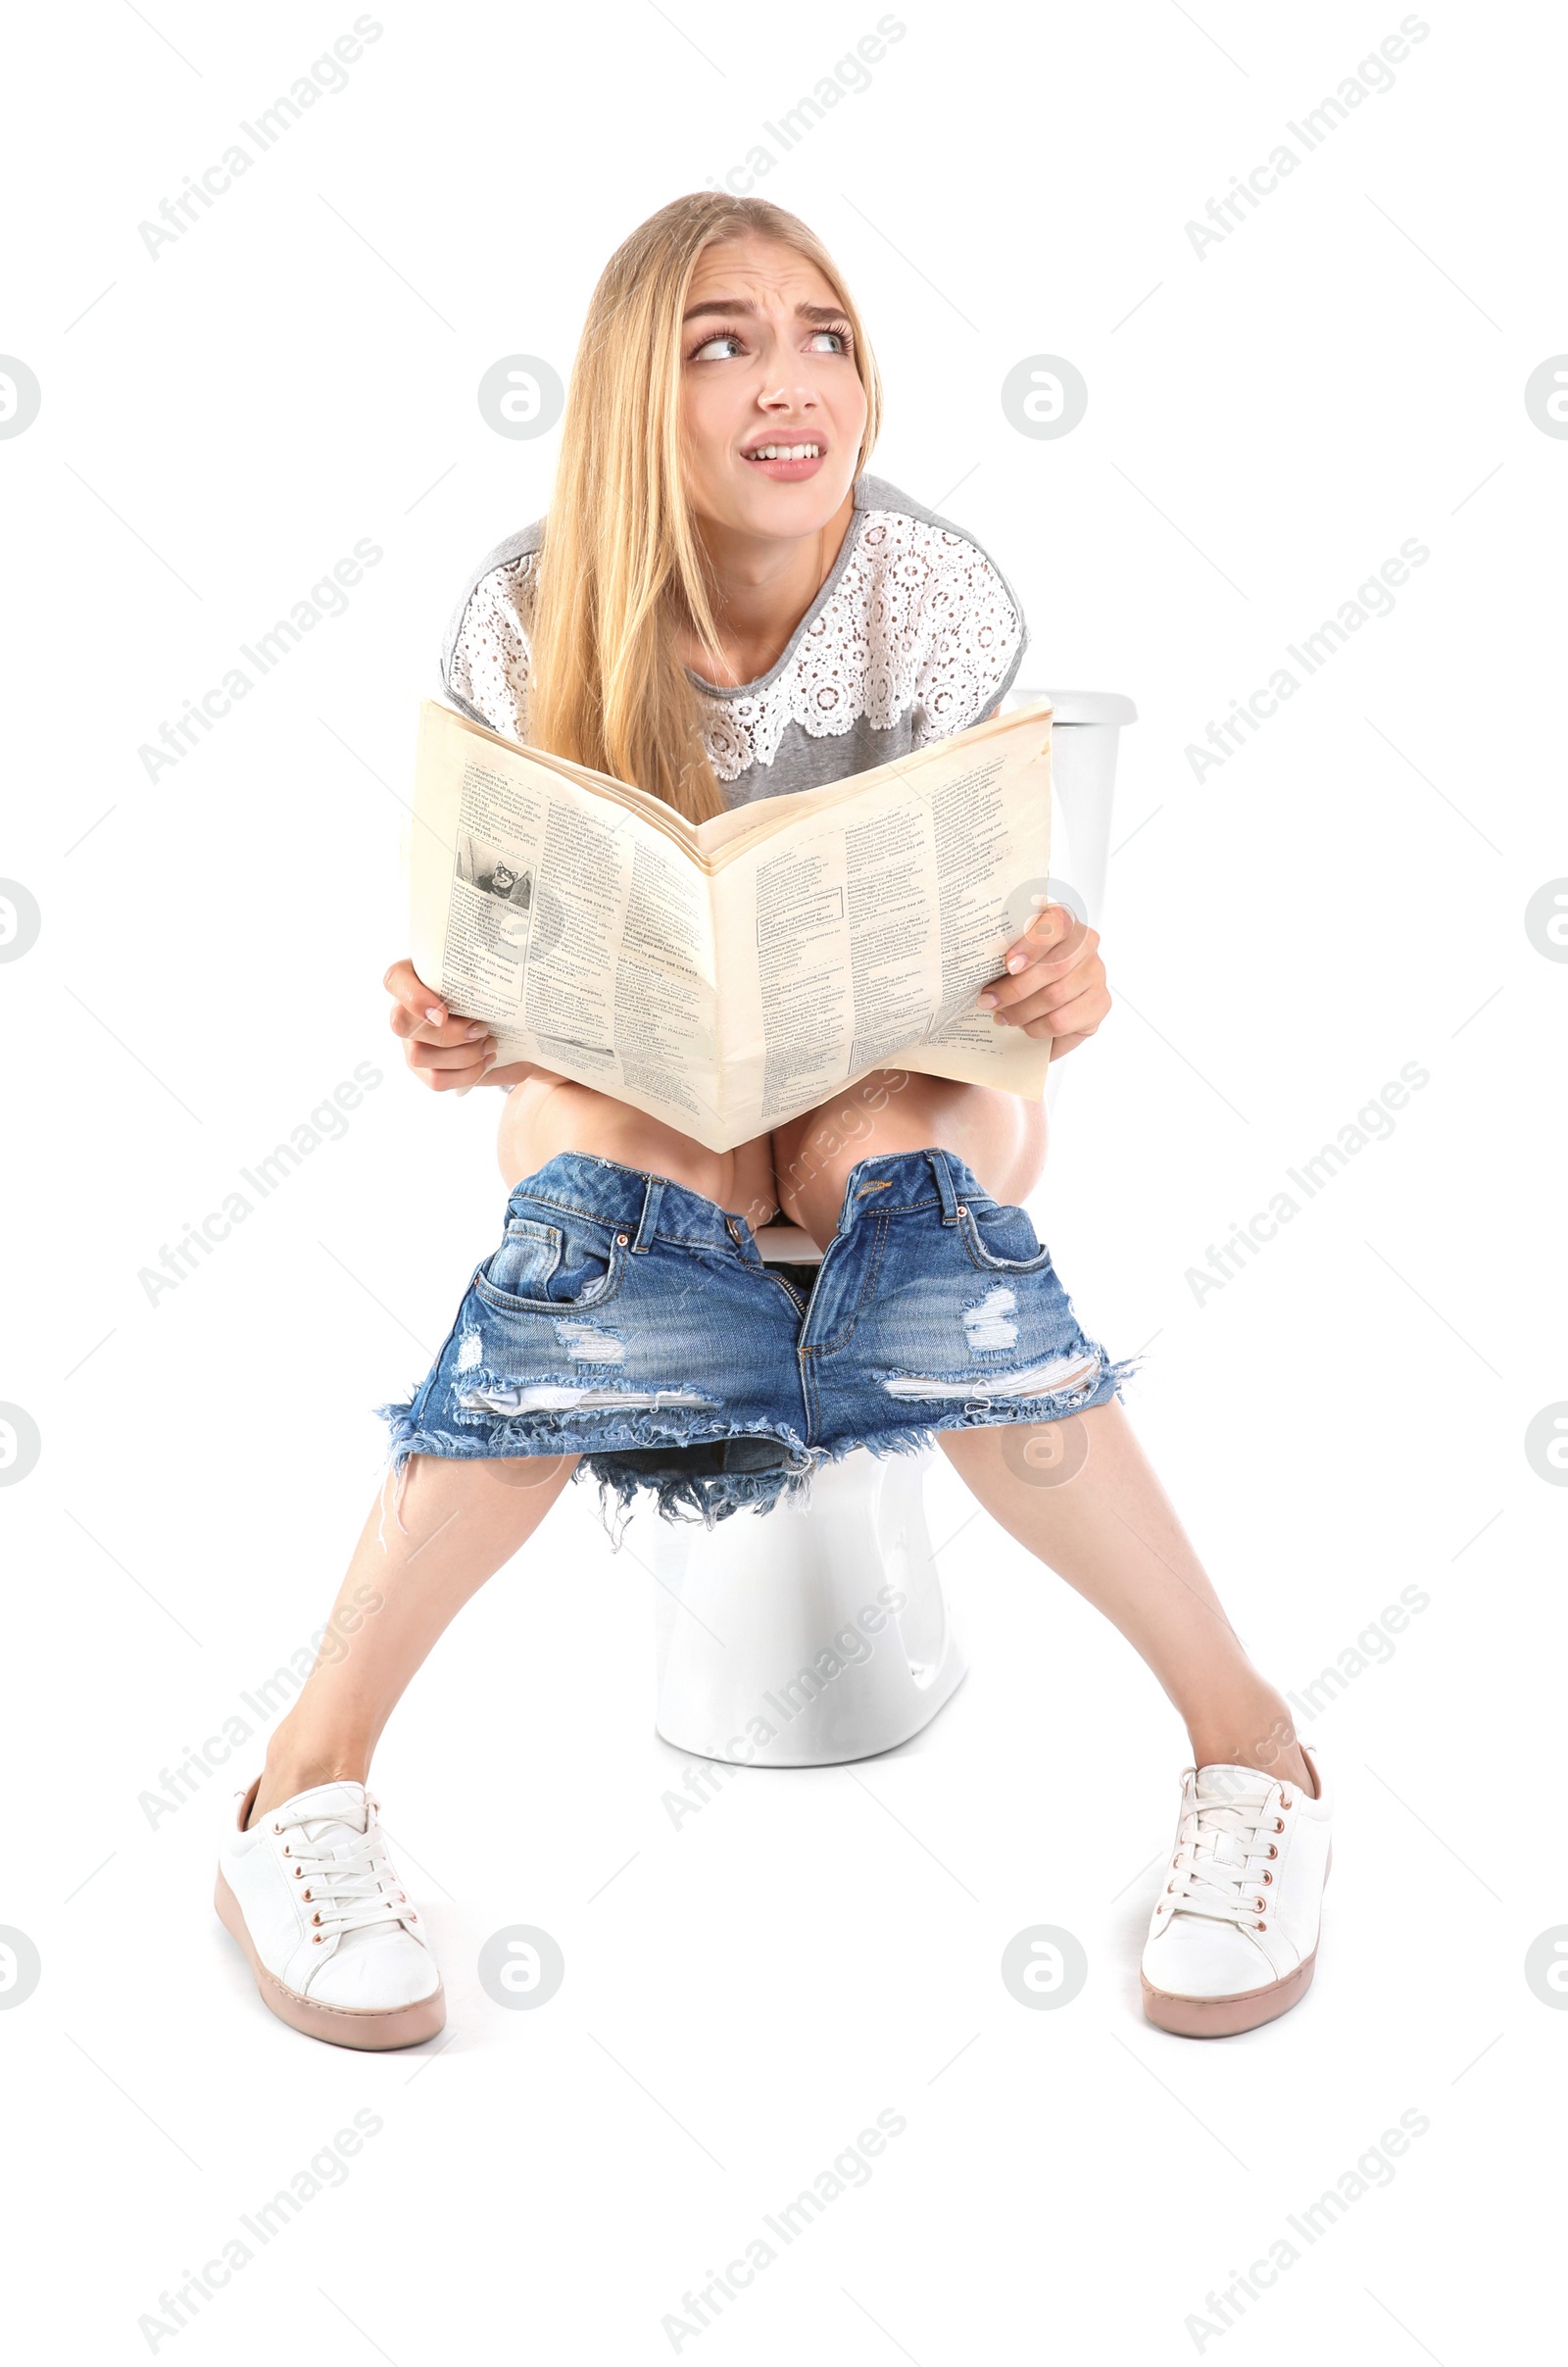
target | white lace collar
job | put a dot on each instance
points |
(913, 620)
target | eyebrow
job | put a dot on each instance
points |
(742, 304)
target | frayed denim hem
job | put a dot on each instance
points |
(671, 1469)
(686, 1494)
(710, 1496)
(626, 1457)
(980, 1413)
(687, 1497)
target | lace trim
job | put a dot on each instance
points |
(489, 667)
(919, 623)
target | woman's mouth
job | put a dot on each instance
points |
(786, 462)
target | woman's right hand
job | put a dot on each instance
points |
(444, 1050)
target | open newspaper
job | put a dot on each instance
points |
(725, 975)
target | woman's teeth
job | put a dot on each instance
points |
(785, 452)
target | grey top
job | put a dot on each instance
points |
(914, 636)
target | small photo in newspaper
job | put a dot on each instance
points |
(483, 866)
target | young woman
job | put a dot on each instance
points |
(720, 606)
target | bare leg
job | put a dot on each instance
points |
(1112, 1532)
(1111, 1529)
(465, 1519)
(464, 1522)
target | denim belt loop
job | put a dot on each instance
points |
(649, 1216)
(942, 1170)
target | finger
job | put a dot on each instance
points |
(456, 1030)
(1054, 925)
(1089, 978)
(1077, 1019)
(1077, 995)
(405, 985)
(453, 1080)
(1059, 983)
(448, 1057)
(1033, 967)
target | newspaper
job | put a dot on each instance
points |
(726, 976)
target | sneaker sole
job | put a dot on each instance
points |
(1224, 2017)
(371, 2028)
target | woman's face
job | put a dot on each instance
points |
(766, 362)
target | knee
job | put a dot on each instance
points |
(812, 1156)
(543, 1120)
(811, 1181)
(1001, 1137)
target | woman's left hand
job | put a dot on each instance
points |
(1055, 982)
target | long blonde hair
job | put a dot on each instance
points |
(621, 567)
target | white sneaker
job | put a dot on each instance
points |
(1232, 1939)
(314, 1901)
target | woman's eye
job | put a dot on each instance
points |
(712, 349)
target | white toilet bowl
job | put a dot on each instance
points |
(800, 1638)
(803, 1638)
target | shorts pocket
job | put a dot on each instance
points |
(522, 1265)
(539, 1266)
(1002, 1239)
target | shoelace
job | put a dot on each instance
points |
(1218, 1838)
(348, 1892)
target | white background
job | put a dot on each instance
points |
(1266, 424)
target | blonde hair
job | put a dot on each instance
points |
(621, 567)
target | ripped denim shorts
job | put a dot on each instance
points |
(632, 1322)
